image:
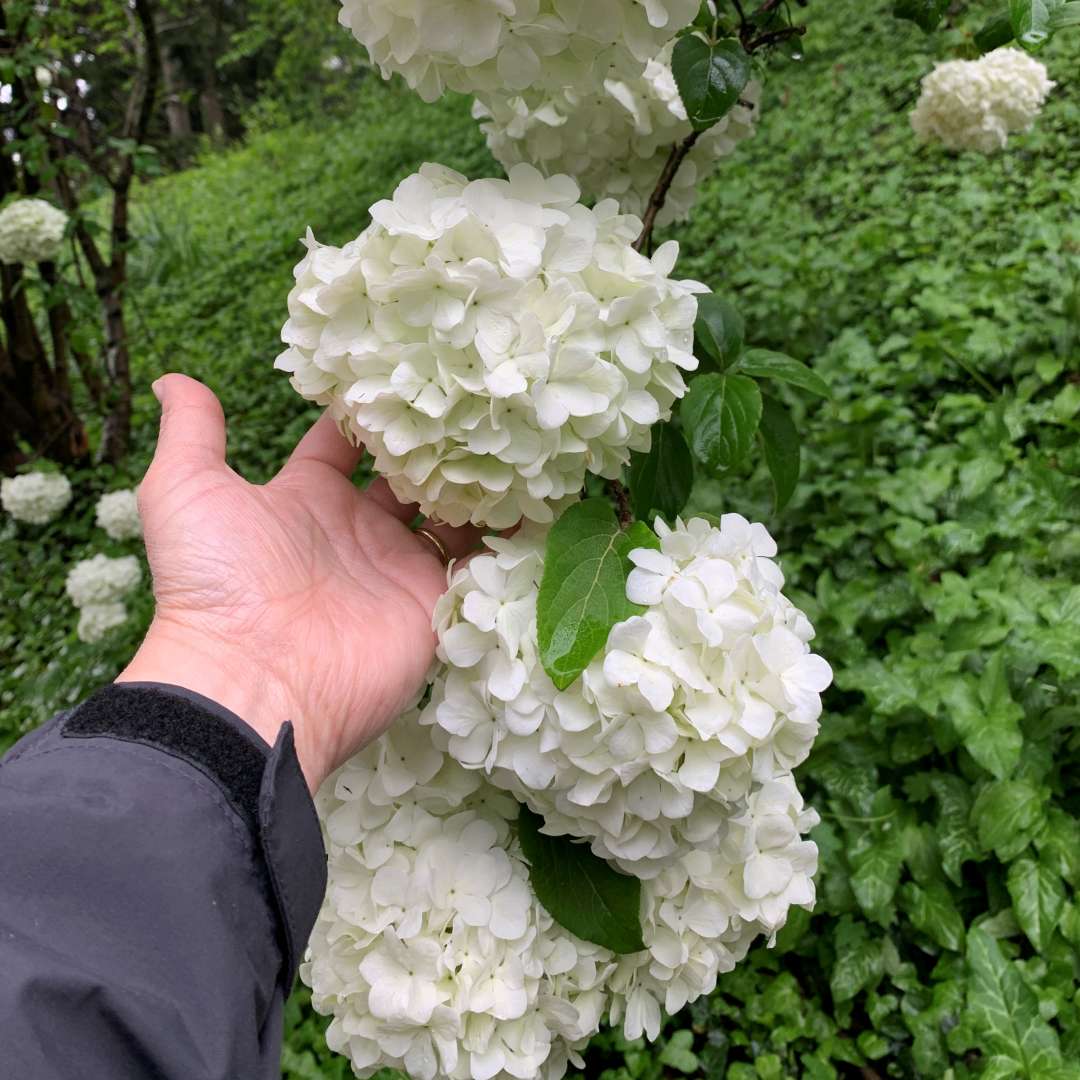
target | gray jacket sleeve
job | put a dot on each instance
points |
(160, 871)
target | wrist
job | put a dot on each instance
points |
(178, 655)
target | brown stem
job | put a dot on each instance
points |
(621, 496)
(772, 37)
(663, 186)
(60, 319)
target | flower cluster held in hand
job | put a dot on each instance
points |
(711, 690)
(479, 46)
(432, 954)
(97, 587)
(978, 104)
(615, 141)
(31, 231)
(35, 498)
(117, 512)
(492, 342)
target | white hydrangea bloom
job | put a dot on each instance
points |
(31, 230)
(615, 140)
(432, 954)
(117, 513)
(35, 498)
(492, 342)
(499, 45)
(96, 620)
(977, 104)
(102, 580)
(713, 689)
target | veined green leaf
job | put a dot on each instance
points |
(583, 590)
(660, 481)
(710, 78)
(1038, 896)
(721, 414)
(765, 364)
(719, 332)
(925, 13)
(783, 455)
(580, 891)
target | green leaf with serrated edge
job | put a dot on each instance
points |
(710, 78)
(1004, 1012)
(581, 892)
(783, 455)
(719, 332)
(660, 481)
(931, 910)
(721, 414)
(1006, 814)
(926, 14)
(994, 34)
(765, 364)
(1038, 898)
(583, 590)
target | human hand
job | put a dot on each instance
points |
(304, 599)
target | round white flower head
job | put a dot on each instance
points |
(509, 45)
(31, 230)
(492, 342)
(433, 955)
(615, 140)
(101, 580)
(117, 513)
(709, 691)
(35, 498)
(977, 104)
(96, 620)
(431, 952)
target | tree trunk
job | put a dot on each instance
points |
(176, 109)
(35, 400)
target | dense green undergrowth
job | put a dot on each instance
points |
(934, 539)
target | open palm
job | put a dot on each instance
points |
(304, 599)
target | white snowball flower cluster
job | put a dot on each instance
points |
(977, 104)
(497, 45)
(432, 954)
(97, 587)
(117, 513)
(615, 140)
(491, 342)
(31, 230)
(35, 498)
(711, 690)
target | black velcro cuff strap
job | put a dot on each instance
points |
(264, 786)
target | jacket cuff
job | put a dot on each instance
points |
(264, 786)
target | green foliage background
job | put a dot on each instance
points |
(933, 539)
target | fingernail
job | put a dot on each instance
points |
(155, 386)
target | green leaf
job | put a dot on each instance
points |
(1006, 814)
(1066, 15)
(679, 1053)
(583, 590)
(780, 441)
(721, 414)
(1004, 1012)
(581, 892)
(987, 718)
(859, 961)
(764, 364)
(660, 481)
(719, 332)
(1031, 20)
(710, 78)
(877, 873)
(925, 13)
(994, 34)
(1038, 897)
(931, 910)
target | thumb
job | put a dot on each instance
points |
(192, 435)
